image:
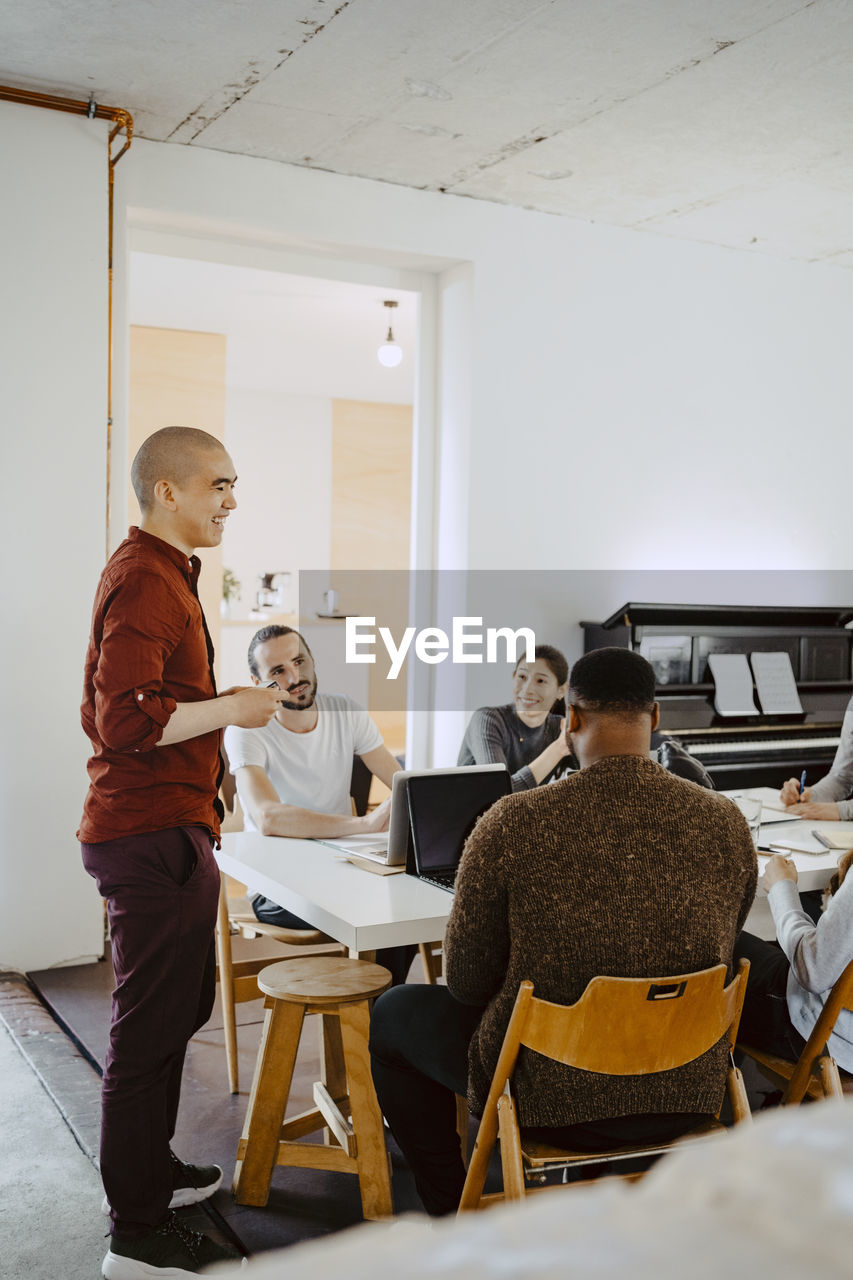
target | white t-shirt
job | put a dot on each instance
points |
(311, 770)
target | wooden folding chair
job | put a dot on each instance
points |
(619, 1026)
(815, 1074)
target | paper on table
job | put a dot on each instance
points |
(733, 681)
(375, 868)
(800, 840)
(775, 684)
(771, 816)
(773, 812)
(836, 838)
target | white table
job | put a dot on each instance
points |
(359, 909)
(813, 869)
(365, 911)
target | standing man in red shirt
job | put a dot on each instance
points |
(151, 816)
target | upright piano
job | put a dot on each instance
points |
(754, 750)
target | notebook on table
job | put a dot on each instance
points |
(443, 809)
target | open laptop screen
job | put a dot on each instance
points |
(443, 808)
(393, 847)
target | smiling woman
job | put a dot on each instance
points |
(528, 734)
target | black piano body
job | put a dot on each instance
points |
(748, 751)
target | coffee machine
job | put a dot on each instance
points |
(273, 594)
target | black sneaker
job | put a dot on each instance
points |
(172, 1250)
(191, 1183)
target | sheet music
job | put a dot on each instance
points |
(733, 684)
(775, 684)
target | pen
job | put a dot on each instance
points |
(802, 784)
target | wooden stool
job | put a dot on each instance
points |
(237, 982)
(339, 989)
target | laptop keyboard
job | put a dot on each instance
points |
(441, 879)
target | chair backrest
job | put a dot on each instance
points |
(632, 1026)
(840, 997)
(359, 787)
(619, 1026)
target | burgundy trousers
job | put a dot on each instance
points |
(162, 891)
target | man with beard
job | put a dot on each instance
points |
(293, 774)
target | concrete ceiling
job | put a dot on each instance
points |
(723, 121)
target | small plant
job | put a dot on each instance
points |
(230, 586)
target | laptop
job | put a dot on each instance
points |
(442, 810)
(389, 848)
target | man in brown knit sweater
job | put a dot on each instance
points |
(618, 869)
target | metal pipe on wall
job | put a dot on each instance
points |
(122, 121)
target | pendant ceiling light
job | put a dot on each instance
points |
(389, 354)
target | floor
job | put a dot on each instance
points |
(49, 1189)
(53, 1073)
(53, 1035)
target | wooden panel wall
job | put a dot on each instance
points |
(177, 378)
(371, 512)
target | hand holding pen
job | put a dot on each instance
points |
(796, 795)
(795, 792)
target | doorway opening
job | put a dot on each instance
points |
(283, 368)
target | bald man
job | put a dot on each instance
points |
(151, 816)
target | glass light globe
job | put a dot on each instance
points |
(390, 355)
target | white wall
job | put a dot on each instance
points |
(633, 402)
(53, 230)
(618, 379)
(294, 343)
(296, 334)
(282, 447)
(669, 405)
(604, 399)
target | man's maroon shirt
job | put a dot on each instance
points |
(149, 649)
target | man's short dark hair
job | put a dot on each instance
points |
(614, 680)
(172, 453)
(272, 632)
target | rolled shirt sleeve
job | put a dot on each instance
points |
(141, 631)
